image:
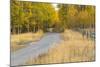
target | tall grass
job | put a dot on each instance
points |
(19, 41)
(72, 48)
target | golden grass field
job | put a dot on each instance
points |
(18, 40)
(72, 48)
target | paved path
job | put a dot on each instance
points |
(34, 50)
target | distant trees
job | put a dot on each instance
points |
(77, 16)
(31, 16)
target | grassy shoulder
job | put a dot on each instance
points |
(72, 48)
(20, 41)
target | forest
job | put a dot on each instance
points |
(34, 16)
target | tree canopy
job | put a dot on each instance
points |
(77, 16)
(32, 16)
(27, 15)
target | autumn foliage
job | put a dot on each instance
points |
(33, 16)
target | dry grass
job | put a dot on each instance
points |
(73, 48)
(21, 40)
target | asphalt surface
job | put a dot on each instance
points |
(33, 50)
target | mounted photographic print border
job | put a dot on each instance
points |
(51, 33)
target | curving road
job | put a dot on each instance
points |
(34, 50)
